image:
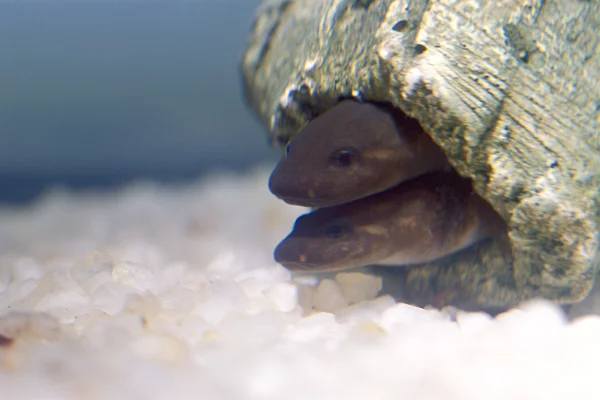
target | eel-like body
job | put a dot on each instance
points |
(426, 218)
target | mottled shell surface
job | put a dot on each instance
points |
(508, 88)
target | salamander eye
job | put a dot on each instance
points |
(344, 157)
(336, 230)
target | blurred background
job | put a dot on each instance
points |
(94, 94)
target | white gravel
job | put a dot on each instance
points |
(172, 293)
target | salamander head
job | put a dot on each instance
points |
(419, 221)
(352, 151)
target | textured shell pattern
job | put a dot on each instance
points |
(509, 89)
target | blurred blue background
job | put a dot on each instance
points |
(95, 94)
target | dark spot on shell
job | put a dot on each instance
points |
(553, 164)
(420, 49)
(518, 40)
(304, 90)
(301, 94)
(308, 110)
(5, 341)
(400, 26)
(362, 3)
(517, 192)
